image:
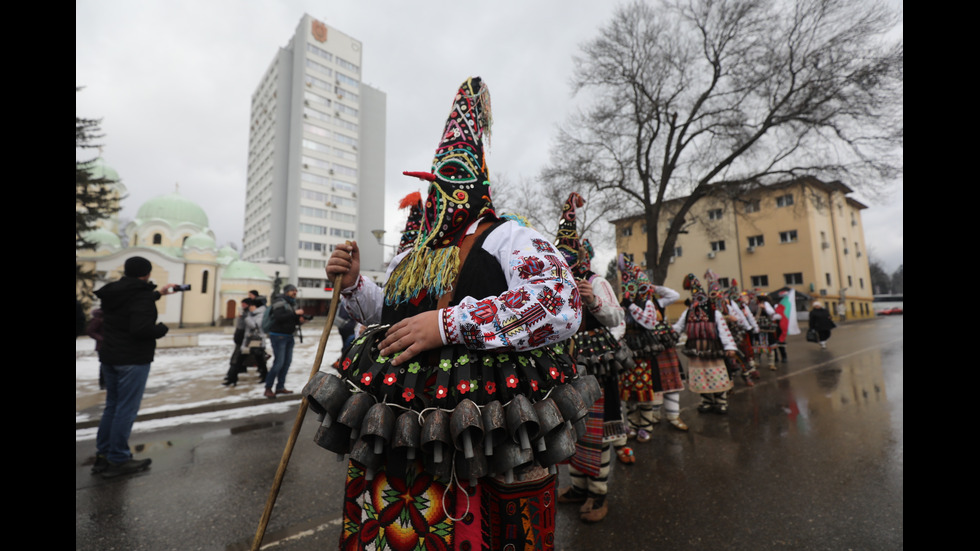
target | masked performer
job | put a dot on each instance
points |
(460, 398)
(655, 380)
(738, 325)
(768, 320)
(708, 343)
(745, 348)
(595, 352)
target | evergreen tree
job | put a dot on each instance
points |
(95, 196)
(95, 199)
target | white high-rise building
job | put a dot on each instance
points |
(316, 159)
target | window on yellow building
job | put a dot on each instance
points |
(715, 214)
(718, 245)
(756, 241)
(784, 200)
(752, 206)
(787, 236)
(794, 278)
(627, 231)
(760, 280)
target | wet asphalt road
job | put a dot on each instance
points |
(810, 458)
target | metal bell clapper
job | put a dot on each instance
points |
(471, 468)
(353, 412)
(509, 456)
(378, 426)
(436, 444)
(326, 394)
(335, 438)
(364, 454)
(466, 426)
(407, 433)
(560, 446)
(494, 426)
(549, 418)
(522, 421)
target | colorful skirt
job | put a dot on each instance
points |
(410, 513)
(707, 376)
(663, 374)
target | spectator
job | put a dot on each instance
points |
(285, 319)
(820, 320)
(130, 331)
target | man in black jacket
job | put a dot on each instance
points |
(286, 317)
(130, 331)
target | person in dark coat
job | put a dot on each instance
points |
(820, 320)
(130, 331)
(94, 331)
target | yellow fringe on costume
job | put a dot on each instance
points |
(424, 268)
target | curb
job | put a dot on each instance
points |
(197, 410)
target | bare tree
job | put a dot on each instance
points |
(541, 205)
(694, 93)
(881, 282)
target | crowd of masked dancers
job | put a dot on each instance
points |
(633, 350)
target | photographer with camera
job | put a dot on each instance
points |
(130, 331)
(280, 323)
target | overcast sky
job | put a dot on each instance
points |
(172, 82)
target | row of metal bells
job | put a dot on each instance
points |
(478, 441)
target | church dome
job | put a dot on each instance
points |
(98, 169)
(102, 237)
(242, 269)
(200, 241)
(175, 209)
(227, 253)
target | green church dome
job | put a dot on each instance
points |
(98, 169)
(173, 208)
(227, 253)
(241, 269)
(102, 236)
(200, 241)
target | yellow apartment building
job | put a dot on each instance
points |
(805, 234)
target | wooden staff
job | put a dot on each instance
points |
(298, 424)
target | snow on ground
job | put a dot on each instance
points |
(188, 377)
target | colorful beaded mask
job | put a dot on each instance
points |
(459, 194)
(568, 242)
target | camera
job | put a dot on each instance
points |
(307, 317)
(186, 287)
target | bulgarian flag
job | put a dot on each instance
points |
(785, 305)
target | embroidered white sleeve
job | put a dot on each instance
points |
(751, 319)
(646, 317)
(605, 308)
(727, 342)
(739, 315)
(541, 305)
(681, 323)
